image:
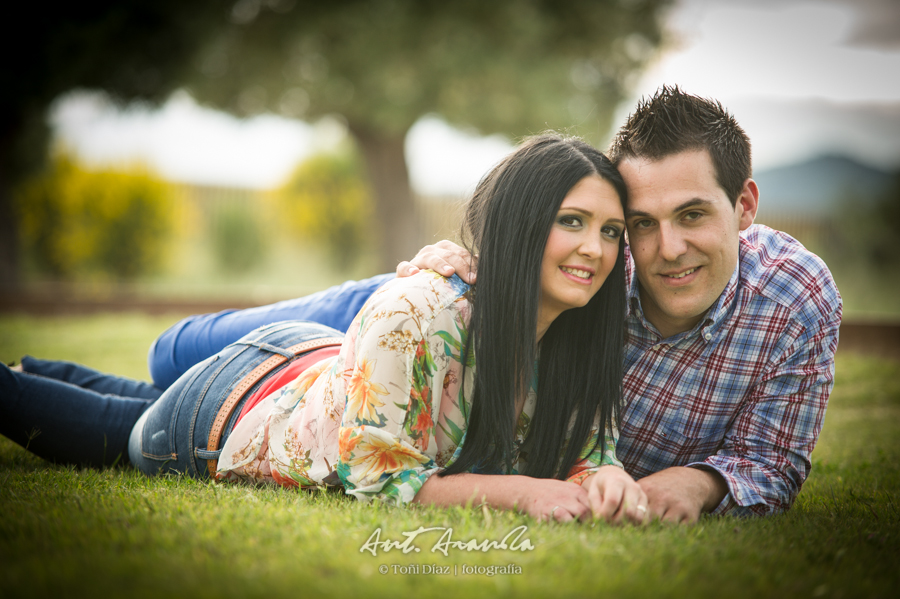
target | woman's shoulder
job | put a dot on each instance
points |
(426, 290)
(419, 304)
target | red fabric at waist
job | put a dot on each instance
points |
(286, 375)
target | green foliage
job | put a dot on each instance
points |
(237, 238)
(132, 49)
(74, 220)
(511, 66)
(508, 66)
(327, 200)
(515, 67)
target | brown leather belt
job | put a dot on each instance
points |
(218, 425)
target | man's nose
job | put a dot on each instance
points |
(671, 243)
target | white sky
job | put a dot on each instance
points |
(802, 77)
(793, 74)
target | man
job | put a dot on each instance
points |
(731, 328)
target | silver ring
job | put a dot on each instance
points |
(642, 508)
(555, 507)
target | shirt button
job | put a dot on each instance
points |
(707, 336)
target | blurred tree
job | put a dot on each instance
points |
(75, 221)
(129, 48)
(327, 200)
(510, 66)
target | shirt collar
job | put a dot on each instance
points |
(720, 310)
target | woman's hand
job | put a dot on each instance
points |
(615, 496)
(551, 499)
(444, 257)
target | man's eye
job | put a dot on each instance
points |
(692, 215)
(642, 224)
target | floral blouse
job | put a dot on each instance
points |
(387, 412)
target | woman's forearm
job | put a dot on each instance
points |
(610, 493)
(540, 498)
(462, 489)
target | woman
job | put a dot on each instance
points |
(401, 413)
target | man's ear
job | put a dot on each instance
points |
(748, 203)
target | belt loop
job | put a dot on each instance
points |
(272, 349)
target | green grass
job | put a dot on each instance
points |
(87, 533)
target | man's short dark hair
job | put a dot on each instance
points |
(672, 121)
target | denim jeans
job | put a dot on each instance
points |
(71, 414)
(90, 379)
(196, 338)
(172, 435)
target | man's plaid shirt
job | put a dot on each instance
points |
(744, 392)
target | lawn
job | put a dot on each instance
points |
(85, 533)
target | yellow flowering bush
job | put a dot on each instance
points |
(328, 200)
(74, 220)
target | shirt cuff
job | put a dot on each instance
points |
(399, 490)
(740, 500)
(579, 477)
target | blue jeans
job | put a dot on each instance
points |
(71, 414)
(99, 424)
(196, 338)
(172, 435)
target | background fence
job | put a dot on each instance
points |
(232, 246)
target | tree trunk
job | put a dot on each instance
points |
(398, 235)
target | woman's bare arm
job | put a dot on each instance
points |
(536, 497)
(609, 494)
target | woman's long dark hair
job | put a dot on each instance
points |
(508, 222)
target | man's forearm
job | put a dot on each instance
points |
(717, 488)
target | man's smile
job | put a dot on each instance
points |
(682, 274)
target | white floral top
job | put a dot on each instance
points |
(387, 412)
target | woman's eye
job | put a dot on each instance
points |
(570, 221)
(612, 232)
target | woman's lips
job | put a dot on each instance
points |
(580, 275)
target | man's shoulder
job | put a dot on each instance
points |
(777, 268)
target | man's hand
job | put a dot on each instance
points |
(681, 494)
(444, 257)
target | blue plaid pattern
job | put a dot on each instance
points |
(744, 392)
